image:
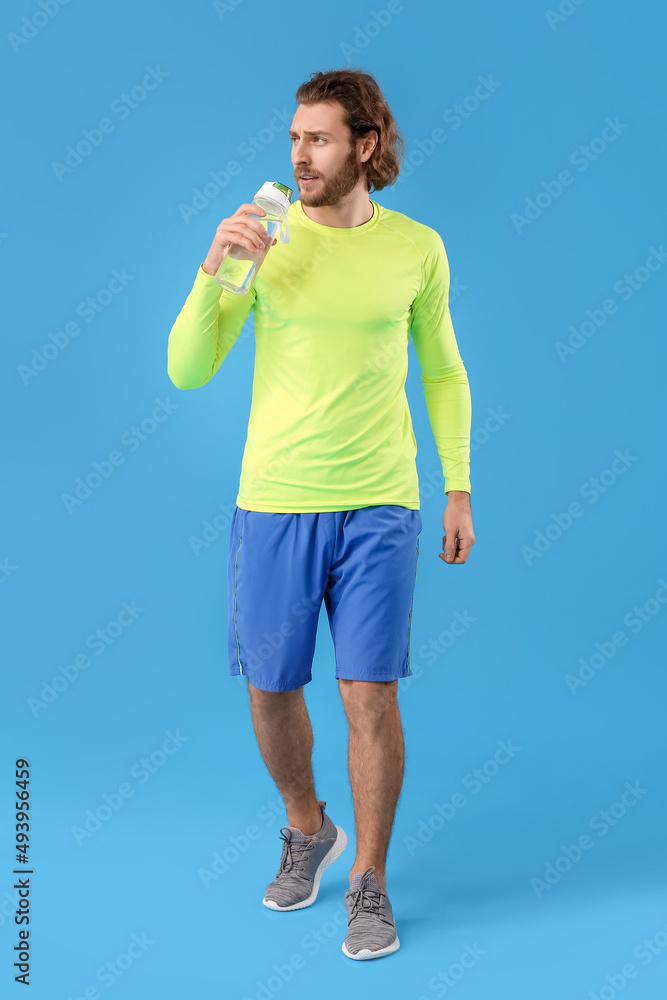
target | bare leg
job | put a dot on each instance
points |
(376, 753)
(285, 739)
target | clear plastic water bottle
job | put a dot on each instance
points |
(239, 265)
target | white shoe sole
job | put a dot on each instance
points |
(367, 953)
(336, 850)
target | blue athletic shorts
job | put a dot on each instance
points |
(363, 562)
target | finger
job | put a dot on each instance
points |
(260, 232)
(250, 207)
(249, 243)
(235, 232)
(461, 555)
(463, 550)
(449, 546)
(258, 227)
(247, 224)
(466, 542)
(255, 240)
(450, 562)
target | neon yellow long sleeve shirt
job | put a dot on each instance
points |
(330, 426)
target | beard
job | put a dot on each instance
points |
(331, 190)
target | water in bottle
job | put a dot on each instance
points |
(240, 265)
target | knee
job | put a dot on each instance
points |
(368, 701)
(274, 702)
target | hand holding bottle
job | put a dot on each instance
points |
(241, 259)
(241, 228)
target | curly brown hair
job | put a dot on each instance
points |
(365, 108)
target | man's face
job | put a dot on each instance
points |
(325, 154)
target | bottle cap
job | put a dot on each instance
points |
(275, 198)
(277, 194)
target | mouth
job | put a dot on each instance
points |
(307, 178)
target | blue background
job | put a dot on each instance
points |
(518, 290)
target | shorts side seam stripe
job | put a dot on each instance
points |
(410, 617)
(238, 648)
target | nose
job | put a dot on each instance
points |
(297, 152)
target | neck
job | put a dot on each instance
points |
(352, 211)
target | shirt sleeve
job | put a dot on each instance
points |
(444, 376)
(205, 330)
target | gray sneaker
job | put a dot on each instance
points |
(371, 931)
(303, 860)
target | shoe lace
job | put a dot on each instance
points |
(293, 856)
(367, 900)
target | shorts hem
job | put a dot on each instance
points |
(372, 677)
(273, 685)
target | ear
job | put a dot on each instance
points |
(371, 140)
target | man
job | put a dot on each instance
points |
(328, 503)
